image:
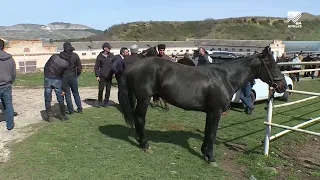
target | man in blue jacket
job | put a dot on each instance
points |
(7, 77)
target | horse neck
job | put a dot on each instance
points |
(240, 71)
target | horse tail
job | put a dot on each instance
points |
(126, 101)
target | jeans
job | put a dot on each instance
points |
(73, 86)
(245, 95)
(6, 97)
(50, 84)
(104, 81)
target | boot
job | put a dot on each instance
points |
(49, 112)
(63, 111)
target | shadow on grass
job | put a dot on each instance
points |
(55, 111)
(178, 138)
(95, 103)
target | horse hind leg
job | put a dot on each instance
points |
(140, 120)
(212, 122)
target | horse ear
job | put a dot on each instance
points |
(266, 51)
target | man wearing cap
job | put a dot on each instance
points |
(133, 57)
(55, 77)
(72, 76)
(161, 52)
(103, 72)
(7, 77)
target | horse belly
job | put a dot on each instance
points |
(185, 101)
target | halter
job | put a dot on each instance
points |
(274, 85)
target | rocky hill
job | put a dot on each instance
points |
(230, 28)
(53, 31)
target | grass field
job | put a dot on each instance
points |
(98, 144)
(36, 79)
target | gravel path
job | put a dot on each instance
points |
(29, 103)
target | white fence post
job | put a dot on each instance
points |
(268, 127)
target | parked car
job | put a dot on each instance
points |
(260, 90)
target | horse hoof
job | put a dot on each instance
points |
(213, 164)
(149, 150)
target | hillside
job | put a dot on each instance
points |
(231, 28)
(53, 31)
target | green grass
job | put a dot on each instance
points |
(98, 145)
(86, 79)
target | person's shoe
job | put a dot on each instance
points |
(105, 104)
(11, 127)
(79, 111)
(63, 111)
(70, 113)
(49, 117)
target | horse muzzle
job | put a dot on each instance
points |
(280, 86)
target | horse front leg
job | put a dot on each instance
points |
(140, 120)
(212, 122)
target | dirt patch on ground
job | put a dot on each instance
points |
(303, 155)
(228, 162)
(29, 104)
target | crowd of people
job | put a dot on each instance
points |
(62, 70)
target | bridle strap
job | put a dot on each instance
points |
(269, 74)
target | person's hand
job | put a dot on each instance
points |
(62, 93)
(98, 78)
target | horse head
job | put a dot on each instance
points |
(269, 72)
(152, 51)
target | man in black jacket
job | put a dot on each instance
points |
(7, 77)
(104, 73)
(118, 64)
(204, 57)
(55, 78)
(72, 76)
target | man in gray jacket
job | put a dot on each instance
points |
(7, 77)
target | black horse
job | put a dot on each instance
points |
(207, 89)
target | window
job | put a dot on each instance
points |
(248, 50)
(240, 50)
(219, 49)
(93, 53)
(233, 49)
(226, 49)
(83, 54)
(181, 50)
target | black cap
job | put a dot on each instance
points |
(67, 47)
(106, 45)
(1, 44)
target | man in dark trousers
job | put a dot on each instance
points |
(161, 53)
(7, 77)
(55, 78)
(118, 64)
(72, 76)
(134, 49)
(103, 72)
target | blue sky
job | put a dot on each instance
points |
(101, 14)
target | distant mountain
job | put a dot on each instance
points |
(253, 27)
(53, 31)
